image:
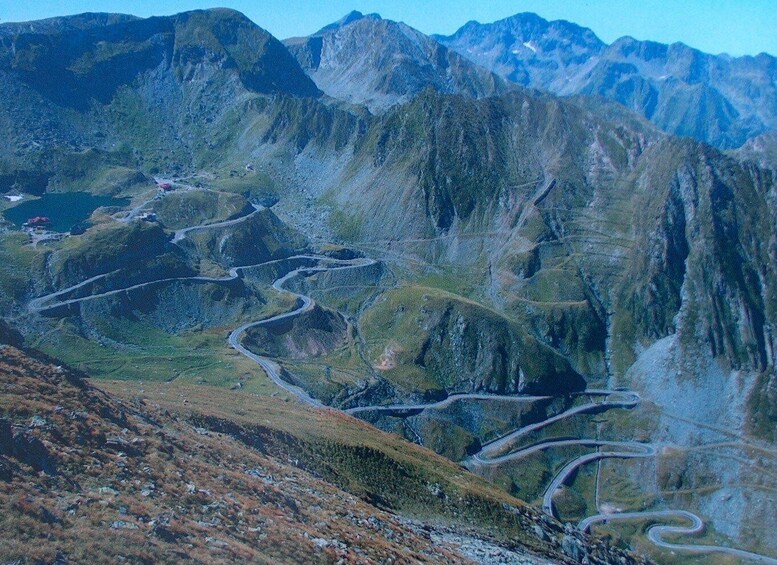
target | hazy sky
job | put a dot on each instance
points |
(737, 27)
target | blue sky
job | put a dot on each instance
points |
(737, 27)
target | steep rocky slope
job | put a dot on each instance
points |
(719, 99)
(86, 476)
(761, 149)
(110, 82)
(431, 344)
(598, 234)
(379, 63)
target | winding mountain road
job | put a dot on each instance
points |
(272, 369)
(489, 453)
(640, 450)
(41, 304)
(622, 450)
(38, 304)
(443, 403)
(542, 446)
(48, 302)
(182, 233)
(655, 533)
(629, 400)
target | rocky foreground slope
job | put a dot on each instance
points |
(164, 475)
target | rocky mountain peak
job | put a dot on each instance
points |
(349, 18)
(74, 61)
(627, 46)
(523, 28)
(379, 63)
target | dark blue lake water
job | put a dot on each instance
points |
(66, 209)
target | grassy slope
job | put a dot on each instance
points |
(167, 471)
(18, 261)
(401, 326)
(198, 207)
(375, 466)
(128, 481)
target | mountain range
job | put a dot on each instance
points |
(441, 225)
(719, 99)
(394, 63)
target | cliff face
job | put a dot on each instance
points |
(475, 353)
(711, 287)
(709, 258)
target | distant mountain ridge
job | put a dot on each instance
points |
(719, 99)
(379, 63)
(57, 54)
(87, 20)
(106, 81)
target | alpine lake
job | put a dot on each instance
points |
(66, 210)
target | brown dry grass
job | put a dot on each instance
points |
(170, 472)
(178, 494)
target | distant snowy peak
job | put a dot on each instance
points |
(527, 45)
(718, 99)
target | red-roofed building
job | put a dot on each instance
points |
(37, 221)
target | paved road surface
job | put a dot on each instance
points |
(444, 403)
(655, 533)
(639, 450)
(306, 304)
(181, 234)
(628, 400)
